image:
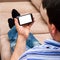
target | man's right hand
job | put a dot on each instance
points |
(23, 30)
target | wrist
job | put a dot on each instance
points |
(23, 36)
(21, 39)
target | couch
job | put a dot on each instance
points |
(39, 28)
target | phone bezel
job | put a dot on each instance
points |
(25, 23)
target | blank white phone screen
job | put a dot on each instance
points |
(25, 19)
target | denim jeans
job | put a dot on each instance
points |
(30, 42)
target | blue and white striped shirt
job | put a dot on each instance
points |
(50, 50)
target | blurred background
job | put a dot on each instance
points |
(12, 0)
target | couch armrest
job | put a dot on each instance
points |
(36, 3)
(43, 13)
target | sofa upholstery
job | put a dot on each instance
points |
(39, 28)
(12, 0)
(36, 3)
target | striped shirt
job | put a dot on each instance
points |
(50, 50)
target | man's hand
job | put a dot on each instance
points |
(22, 30)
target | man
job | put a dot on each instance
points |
(50, 50)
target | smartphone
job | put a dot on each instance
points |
(25, 19)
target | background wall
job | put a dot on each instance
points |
(12, 0)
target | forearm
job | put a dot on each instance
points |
(20, 47)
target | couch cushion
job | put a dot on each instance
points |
(42, 37)
(5, 12)
(36, 3)
(22, 7)
(5, 47)
(12, 0)
(4, 28)
(38, 27)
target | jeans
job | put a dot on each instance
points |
(30, 42)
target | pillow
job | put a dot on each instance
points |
(36, 3)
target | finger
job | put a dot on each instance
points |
(31, 24)
(16, 23)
